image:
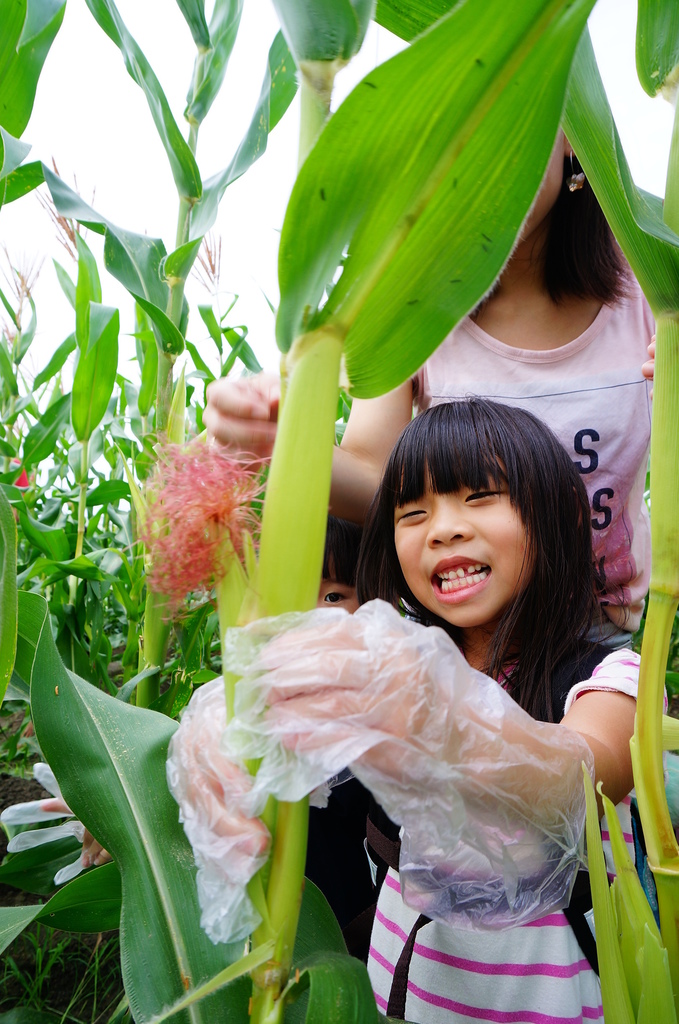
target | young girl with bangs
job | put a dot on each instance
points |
(471, 735)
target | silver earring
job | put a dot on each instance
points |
(576, 179)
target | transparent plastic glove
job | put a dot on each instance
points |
(34, 811)
(214, 795)
(491, 801)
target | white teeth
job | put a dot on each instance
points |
(459, 583)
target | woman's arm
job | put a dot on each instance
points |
(243, 414)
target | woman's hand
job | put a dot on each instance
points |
(243, 413)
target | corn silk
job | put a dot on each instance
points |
(490, 801)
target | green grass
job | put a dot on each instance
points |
(75, 978)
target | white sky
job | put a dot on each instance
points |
(92, 118)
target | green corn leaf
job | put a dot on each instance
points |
(28, 31)
(42, 437)
(211, 66)
(194, 15)
(52, 541)
(8, 593)
(170, 337)
(176, 421)
(325, 30)
(56, 362)
(394, 178)
(177, 264)
(8, 306)
(408, 20)
(657, 44)
(149, 375)
(616, 1001)
(109, 492)
(87, 289)
(199, 362)
(27, 335)
(278, 90)
(12, 153)
(182, 162)
(657, 1000)
(65, 282)
(20, 182)
(109, 759)
(13, 920)
(95, 373)
(89, 903)
(6, 370)
(339, 991)
(134, 260)
(635, 216)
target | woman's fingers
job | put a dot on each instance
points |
(243, 413)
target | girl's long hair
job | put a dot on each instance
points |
(475, 444)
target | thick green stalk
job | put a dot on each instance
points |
(663, 851)
(82, 500)
(290, 561)
(157, 625)
(317, 79)
(164, 390)
(671, 204)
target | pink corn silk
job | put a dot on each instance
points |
(198, 496)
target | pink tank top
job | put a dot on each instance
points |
(593, 396)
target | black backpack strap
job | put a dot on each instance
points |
(396, 1007)
(575, 670)
(580, 903)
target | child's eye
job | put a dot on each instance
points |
(334, 597)
(480, 495)
(410, 514)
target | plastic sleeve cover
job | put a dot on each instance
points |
(214, 795)
(491, 801)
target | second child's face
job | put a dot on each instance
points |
(462, 555)
(333, 594)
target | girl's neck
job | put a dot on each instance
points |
(520, 312)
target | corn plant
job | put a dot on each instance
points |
(418, 242)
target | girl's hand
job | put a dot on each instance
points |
(93, 853)
(229, 842)
(648, 368)
(243, 413)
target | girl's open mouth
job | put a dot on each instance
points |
(461, 578)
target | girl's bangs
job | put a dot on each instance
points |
(445, 452)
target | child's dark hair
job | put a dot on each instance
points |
(475, 444)
(582, 258)
(340, 558)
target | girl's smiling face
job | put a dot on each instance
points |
(463, 556)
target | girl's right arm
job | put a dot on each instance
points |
(243, 414)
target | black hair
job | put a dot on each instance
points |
(473, 444)
(581, 256)
(340, 558)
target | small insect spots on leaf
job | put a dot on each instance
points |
(185, 982)
(483, 235)
(56, 691)
(480, 62)
(297, 976)
(455, 280)
(250, 1007)
(323, 194)
(371, 85)
(485, 247)
(284, 69)
(454, 182)
(412, 302)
